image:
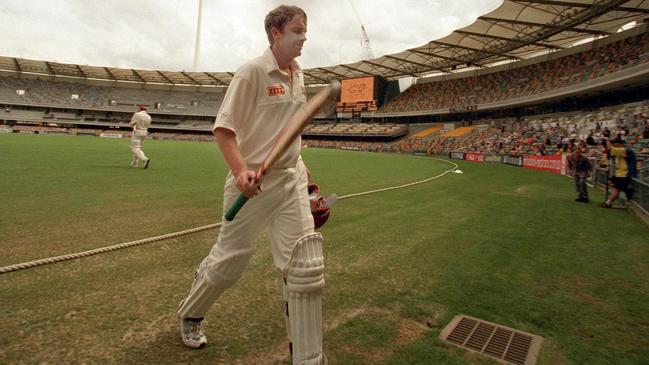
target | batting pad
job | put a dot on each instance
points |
(304, 282)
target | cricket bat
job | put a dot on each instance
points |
(290, 132)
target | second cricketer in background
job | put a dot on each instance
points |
(140, 122)
(263, 95)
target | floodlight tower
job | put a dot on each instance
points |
(197, 43)
(366, 47)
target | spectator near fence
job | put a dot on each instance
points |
(579, 167)
(626, 169)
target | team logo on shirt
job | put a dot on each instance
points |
(276, 90)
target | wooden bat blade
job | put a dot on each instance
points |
(297, 122)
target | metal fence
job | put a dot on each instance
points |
(640, 185)
(641, 196)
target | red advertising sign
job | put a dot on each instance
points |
(475, 157)
(550, 163)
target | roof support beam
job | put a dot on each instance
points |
(110, 73)
(20, 69)
(165, 77)
(138, 75)
(456, 60)
(357, 70)
(189, 77)
(315, 77)
(427, 68)
(401, 72)
(49, 67)
(215, 79)
(581, 5)
(541, 25)
(552, 29)
(505, 39)
(408, 61)
(331, 72)
(477, 50)
(81, 71)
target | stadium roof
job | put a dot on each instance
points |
(516, 30)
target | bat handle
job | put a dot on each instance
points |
(234, 208)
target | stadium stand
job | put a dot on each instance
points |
(66, 94)
(427, 132)
(526, 80)
(360, 130)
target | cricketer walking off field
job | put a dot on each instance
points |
(263, 95)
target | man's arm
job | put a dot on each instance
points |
(246, 180)
(133, 122)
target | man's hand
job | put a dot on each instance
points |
(248, 183)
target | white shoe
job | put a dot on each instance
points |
(191, 332)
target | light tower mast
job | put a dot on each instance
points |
(366, 47)
(197, 43)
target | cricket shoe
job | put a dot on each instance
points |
(191, 331)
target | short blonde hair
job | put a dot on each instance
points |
(280, 16)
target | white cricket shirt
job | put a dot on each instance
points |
(258, 103)
(141, 120)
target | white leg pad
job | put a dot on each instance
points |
(304, 282)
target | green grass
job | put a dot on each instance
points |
(501, 243)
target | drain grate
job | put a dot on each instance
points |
(506, 344)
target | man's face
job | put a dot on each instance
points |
(290, 40)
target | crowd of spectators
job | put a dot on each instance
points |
(557, 135)
(523, 81)
(541, 135)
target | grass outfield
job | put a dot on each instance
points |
(500, 243)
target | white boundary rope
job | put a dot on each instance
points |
(50, 260)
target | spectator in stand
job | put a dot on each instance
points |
(606, 133)
(625, 170)
(590, 140)
(579, 167)
(604, 154)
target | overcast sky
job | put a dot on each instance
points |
(160, 34)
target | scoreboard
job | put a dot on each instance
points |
(359, 95)
(355, 90)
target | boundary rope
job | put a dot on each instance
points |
(72, 256)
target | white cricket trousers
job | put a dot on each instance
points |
(282, 207)
(136, 146)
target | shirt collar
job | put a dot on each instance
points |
(271, 62)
